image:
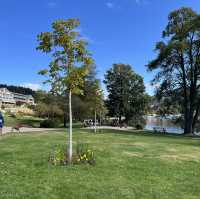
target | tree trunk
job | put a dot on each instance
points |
(188, 129)
(65, 121)
(189, 120)
(95, 121)
(120, 121)
(190, 109)
(195, 118)
(186, 98)
(100, 119)
(186, 118)
(70, 128)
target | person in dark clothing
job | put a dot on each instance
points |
(1, 123)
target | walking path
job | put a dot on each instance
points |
(27, 130)
(111, 127)
(7, 130)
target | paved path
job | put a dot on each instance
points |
(27, 130)
(111, 127)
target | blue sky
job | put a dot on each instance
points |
(119, 31)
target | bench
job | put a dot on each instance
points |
(159, 130)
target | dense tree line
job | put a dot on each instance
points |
(52, 105)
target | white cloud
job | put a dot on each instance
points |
(32, 86)
(109, 4)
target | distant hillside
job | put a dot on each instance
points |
(18, 89)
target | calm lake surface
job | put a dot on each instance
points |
(158, 122)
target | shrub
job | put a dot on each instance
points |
(13, 115)
(49, 123)
(58, 157)
(24, 111)
(139, 127)
(83, 155)
(137, 122)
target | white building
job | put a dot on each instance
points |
(23, 99)
(10, 98)
(6, 97)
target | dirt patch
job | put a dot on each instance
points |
(133, 154)
(180, 157)
(142, 144)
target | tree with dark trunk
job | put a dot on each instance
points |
(178, 65)
(126, 94)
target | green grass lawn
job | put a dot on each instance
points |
(26, 120)
(128, 166)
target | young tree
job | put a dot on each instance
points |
(83, 106)
(96, 101)
(93, 98)
(178, 65)
(126, 93)
(70, 62)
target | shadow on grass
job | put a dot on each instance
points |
(30, 122)
(140, 133)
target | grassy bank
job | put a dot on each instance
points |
(33, 121)
(129, 165)
(26, 120)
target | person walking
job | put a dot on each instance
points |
(1, 123)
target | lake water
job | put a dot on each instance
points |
(158, 122)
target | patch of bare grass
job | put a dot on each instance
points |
(133, 154)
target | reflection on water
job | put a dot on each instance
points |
(157, 122)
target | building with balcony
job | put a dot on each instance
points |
(6, 97)
(10, 98)
(23, 99)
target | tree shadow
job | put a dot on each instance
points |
(144, 133)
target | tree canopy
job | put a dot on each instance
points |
(178, 65)
(126, 93)
(70, 63)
